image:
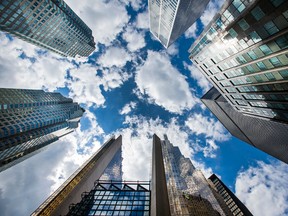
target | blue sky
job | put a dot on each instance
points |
(131, 86)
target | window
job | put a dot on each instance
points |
(271, 28)
(270, 76)
(241, 59)
(275, 61)
(252, 55)
(265, 49)
(239, 5)
(258, 78)
(261, 65)
(282, 42)
(243, 24)
(276, 3)
(284, 73)
(257, 13)
(233, 33)
(255, 37)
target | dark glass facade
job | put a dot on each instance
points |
(50, 24)
(243, 53)
(234, 204)
(114, 198)
(266, 135)
(32, 119)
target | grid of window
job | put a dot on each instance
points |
(247, 57)
(49, 24)
(111, 199)
(30, 120)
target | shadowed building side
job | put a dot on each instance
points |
(267, 135)
(159, 195)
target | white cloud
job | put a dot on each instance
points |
(164, 84)
(264, 188)
(114, 56)
(200, 124)
(85, 84)
(128, 108)
(191, 32)
(134, 38)
(106, 18)
(45, 71)
(135, 4)
(210, 11)
(202, 82)
(173, 49)
(211, 129)
(142, 20)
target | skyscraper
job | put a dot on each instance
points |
(97, 188)
(176, 187)
(175, 177)
(243, 53)
(50, 24)
(235, 205)
(170, 19)
(268, 136)
(31, 120)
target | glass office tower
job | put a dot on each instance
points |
(187, 189)
(235, 205)
(31, 120)
(50, 24)
(170, 19)
(243, 52)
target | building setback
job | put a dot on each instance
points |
(31, 120)
(243, 52)
(235, 205)
(268, 136)
(50, 24)
(170, 19)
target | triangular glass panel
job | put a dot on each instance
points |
(126, 187)
(141, 188)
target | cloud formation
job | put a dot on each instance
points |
(202, 82)
(128, 108)
(164, 84)
(106, 18)
(212, 130)
(134, 38)
(264, 188)
(19, 67)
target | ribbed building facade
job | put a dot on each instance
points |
(243, 52)
(50, 24)
(31, 120)
(169, 19)
(234, 204)
(268, 136)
